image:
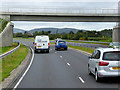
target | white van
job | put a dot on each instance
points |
(41, 43)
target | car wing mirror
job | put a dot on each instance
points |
(90, 57)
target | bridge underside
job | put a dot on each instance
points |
(57, 18)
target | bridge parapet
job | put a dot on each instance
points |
(60, 11)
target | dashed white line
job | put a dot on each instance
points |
(55, 52)
(81, 80)
(68, 64)
(60, 56)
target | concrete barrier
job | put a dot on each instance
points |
(6, 36)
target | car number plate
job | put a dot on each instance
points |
(39, 46)
(116, 68)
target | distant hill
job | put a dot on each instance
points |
(54, 30)
(16, 30)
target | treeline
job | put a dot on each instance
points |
(79, 35)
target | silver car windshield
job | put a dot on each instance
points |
(112, 56)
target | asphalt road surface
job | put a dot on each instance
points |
(62, 69)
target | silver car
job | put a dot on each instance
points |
(104, 62)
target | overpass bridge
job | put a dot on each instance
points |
(61, 14)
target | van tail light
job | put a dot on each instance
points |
(101, 63)
(48, 44)
(35, 44)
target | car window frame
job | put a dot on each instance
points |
(95, 53)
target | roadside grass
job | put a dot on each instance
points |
(12, 61)
(52, 43)
(89, 50)
(6, 49)
(88, 42)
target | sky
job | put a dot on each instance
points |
(79, 4)
(60, 0)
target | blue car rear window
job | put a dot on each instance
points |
(61, 42)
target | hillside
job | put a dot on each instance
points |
(16, 30)
(55, 30)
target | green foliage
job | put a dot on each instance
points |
(104, 35)
(3, 24)
(89, 50)
(12, 61)
(5, 49)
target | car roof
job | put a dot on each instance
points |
(108, 49)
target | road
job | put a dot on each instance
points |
(88, 45)
(62, 69)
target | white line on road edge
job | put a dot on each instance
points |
(25, 71)
(81, 80)
(60, 56)
(68, 64)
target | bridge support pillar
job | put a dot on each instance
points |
(116, 34)
(6, 36)
(5, 17)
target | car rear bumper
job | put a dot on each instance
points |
(42, 49)
(59, 47)
(103, 73)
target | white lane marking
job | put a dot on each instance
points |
(25, 71)
(68, 64)
(81, 80)
(51, 49)
(60, 56)
(55, 52)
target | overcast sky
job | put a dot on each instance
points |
(64, 4)
(59, 0)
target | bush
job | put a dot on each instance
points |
(3, 24)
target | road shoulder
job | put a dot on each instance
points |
(7, 83)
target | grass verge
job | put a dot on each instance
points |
(12, 61)
(6, 49)
(89, 50)
(88, 42)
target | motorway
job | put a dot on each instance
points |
(62, 69)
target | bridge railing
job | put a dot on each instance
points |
(60, 11)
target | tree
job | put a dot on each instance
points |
(49, 32)
(71, 32)
(18, 35)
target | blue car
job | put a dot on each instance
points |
(61, 44)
